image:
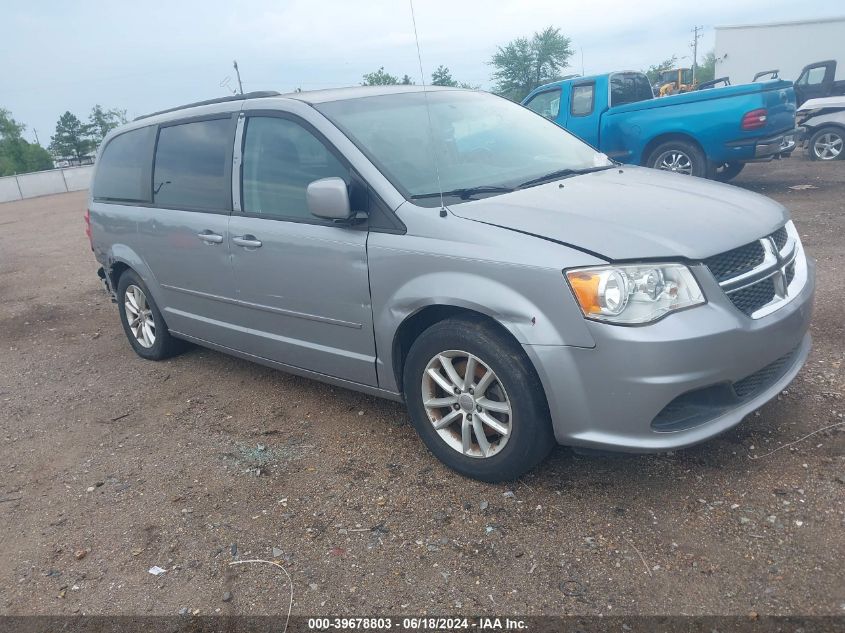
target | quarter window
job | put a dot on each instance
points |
(546, 104)
(191, 165)
(123, 173)
(582, 99)
(281, 158)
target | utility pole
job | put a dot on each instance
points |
(697, 33)
(238, 72)
(37, 142)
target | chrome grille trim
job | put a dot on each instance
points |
(786, 267)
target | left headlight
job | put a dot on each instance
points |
(633, 294)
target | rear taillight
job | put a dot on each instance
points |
(755, 119)
(88, 227)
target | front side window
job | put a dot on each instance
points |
(582, 99)
(546, 104)
(191, 165)
(813, 76)
(629, 88)
(474, 139)
(123, 173)
(281, 158)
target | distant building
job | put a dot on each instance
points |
(73, 162)
(746, 49)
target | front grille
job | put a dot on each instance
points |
(752, 298)
(751, 385)
(735, 262)
(762, 267)
(790, 273)
(780, 236)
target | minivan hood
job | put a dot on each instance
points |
(634, 213)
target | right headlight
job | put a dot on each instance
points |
(633, 293)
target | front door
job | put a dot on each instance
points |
(302, 283)
(815, 81)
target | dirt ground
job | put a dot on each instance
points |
(110, 465)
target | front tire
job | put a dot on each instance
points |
(682, 157)
(827, 144)
(142, 321)
(476, 401)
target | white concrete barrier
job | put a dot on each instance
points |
(44, 183)
(78, 178)
(9, 189)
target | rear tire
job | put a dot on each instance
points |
(142, 321)
(728, 171)
(682, 157)
(827, 144)
(492, 427)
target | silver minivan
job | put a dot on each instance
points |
(458, 252)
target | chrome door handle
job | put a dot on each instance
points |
(247, 241)
(210, 238)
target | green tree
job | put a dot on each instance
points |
(380, 78)
(71, 139)
(707, 70)
(525, 63)
(442, 77)
(406, 81)
(101, 122)
(17, 155)
(653, 72)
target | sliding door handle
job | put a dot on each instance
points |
(247, 241)
(210, 238)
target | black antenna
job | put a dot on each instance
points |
(238, 72)
(443, 213)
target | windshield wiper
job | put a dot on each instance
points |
(465, 193)
(561, 173)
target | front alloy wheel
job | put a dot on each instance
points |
(476, 400)
(827, 144)
(466, 404)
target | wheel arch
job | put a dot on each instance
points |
(426, 316)
(122, 258)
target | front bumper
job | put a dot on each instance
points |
(609, 397)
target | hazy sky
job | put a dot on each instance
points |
(150, 55)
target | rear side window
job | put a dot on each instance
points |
(281, 158)
(123, 172)
(583, 97)
(546, 104)
(629, 88)
(192, 164)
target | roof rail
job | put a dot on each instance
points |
(249, 95)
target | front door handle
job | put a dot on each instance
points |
(247, 241)
(210, 238)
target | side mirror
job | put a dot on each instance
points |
(328, 198)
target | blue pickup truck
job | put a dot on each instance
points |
(709, 133)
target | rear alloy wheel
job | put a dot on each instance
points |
(476, 401)
(681, 157)
(142, 321)
(827, 144)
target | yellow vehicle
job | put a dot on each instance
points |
(675, 81)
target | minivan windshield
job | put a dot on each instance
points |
(484, 145)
